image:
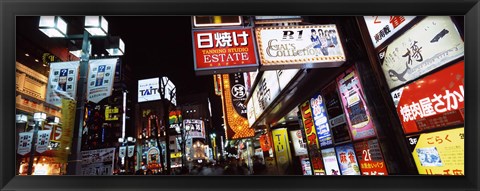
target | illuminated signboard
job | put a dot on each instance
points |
(216, 21)
(222, 50)
(299, 146)
(62, 82)
(428, 45)
(320, 120)
(434, 101)
(312, 139)
(337, 120)
(381, 28)
(441, 153)
(347, 160)
(111, 113)
(370, 158)
(148, 90)
(330, 160)
(306, 46)
(237, 126)
(196, 126)
(355, 107)
(100, 79)
(282, 149)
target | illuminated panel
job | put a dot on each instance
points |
(237, 125)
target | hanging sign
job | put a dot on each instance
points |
(122, 151)
(320, 120)
(25, 143)
(434, 101)
(282, 149)
(347, 160)
(306, 46)
(370, 158)
(441, 153)
(312, 139)
(330, 161)
(62, 82)
(43, 140)
(66, 135)
(100, 79)
(224, 51)
(237, 126)
(355, 107)
(431, 43)
(381, 28)
(131, 150)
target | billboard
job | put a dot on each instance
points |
(148, 90)
(196, 126)
(381, 28)
(306, 46)
(354, 105)
(370, 158)
(434, 101)
(62, 82)
(429, 44)
(312, 139)
(224, 51)
(347, 160)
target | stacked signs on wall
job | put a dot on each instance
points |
(434, 101)
(355, 107)
(428, 45)
(306, 46)
(62, 82)
(234, 96)
(224, 51)
(100, 79)
(312, 139)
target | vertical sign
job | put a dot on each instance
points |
(312, 139)
(347, 159)
(383, 27)
(370, 158)
(282, 149)
(337, 120)
(68, 124)
(100, 79)
(355, 107)
(306, 167)
(122, 151)
(299, 146)
(25, 143)
(131, 150)
(320, 120)
(330, 160)
(43, 140)
(62, 82)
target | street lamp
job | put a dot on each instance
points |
(95, 26)
(125, 142)
(38, 118)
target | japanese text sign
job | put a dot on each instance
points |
(221, 49)
(381, 28)
(237, 126)
(431, 43)
(434, 101)
(306, 46)
(347, 160)
(62, 82)
(196, 126)
(370, 158)
(100, 79)
(441, 153)
(312, 139)
(354, 104)
(320, 120)
(330, 160)
(299, 146)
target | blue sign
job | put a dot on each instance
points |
(321, 120)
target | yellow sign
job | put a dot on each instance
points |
(176, 155)
(282, 149)
(68, 123)
(110, 113)
(440, 153)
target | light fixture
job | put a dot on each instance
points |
(36, 60)
(131, 139)
(27, 55)
(53, 26)
(96, 25)
(53, 120)
(115, 46)
(121, 140)
(21, 118)
(77, 52)
(39, 116)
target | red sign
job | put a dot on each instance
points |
(370, 158)
(312, 139)
(232, 49)
(433, 101)
(265, 143)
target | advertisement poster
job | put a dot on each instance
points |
(355, 107)
(431, 43)
(306, 46)
(66, 135)
(370, 158)
(282, 149)
(55, 135)
(299, 146)
(131, 150)
(330, 161)
(153, 157)
(100, 79)
(148, 90)
(24, 143)
(320, 120)
(441, 153)
(306, 166)
(196, 126)
(434, 101)
(122, 151)
(224, 50)
(312, 139)
(43, 140)
(62, 82)
(347, 160)
(98, 162)
(382, 28)
(236, 126)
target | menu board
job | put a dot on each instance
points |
(355, 107)
(320, 120)
(434, 101)
(330, 161)
(370, 158)
(347, 160)
(441, 153)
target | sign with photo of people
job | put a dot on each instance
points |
(100, 79)
(62, 82)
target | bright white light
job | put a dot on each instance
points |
(53, 26)
(96, 25)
